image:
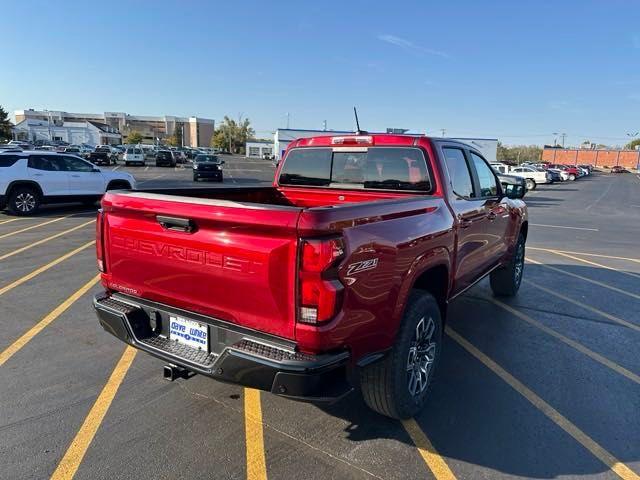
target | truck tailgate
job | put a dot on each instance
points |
(233, 261)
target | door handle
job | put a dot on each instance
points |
(492, 216)
(465, 223)
(177, 224)
(75, 176)
(37, 174)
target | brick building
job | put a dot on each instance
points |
(599, 158)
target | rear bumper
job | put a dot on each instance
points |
(208, 174)
(236, 355)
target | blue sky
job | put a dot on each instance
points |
(518, 71)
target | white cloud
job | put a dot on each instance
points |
(409, 45)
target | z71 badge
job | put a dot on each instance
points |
(362, 266)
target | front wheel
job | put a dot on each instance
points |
(24, 201)
(398, 385)
(505, 281)
(572, 177)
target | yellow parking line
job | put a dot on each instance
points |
(575, 275)
(44, 268)
(636, 260)
(44, 240)
(564, 423)
(572, 343)
(59, 310)
(9, 221)
(431, 457)
(589, 262)
(32, 227)
(586, 307)
(69, 464)
(256, 464)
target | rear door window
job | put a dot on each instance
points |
(386, 168)
(48, 163)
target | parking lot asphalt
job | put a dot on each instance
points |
(542, 385)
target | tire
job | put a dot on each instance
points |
(221, 179)
(126, 164)
(24, 201)
(390, 386)
(505, 281)
(195, 179)
(572, 177)
(531, 184)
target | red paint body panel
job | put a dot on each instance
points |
(241, 261)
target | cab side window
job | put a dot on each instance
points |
(46, 162)
(458, 171)
(76, 165)
(486, 177)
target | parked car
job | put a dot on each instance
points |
(73, 150)
(207, 167)
(533, 176)
(556, 175)
(619, 169)
(134, 155)
(178, 156)
(572, 172)
(336, 275)
(102, 156)
(165, 158)
(31, 178)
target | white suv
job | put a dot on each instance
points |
(29, 179)
(134, 155)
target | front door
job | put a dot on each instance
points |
(84, 178)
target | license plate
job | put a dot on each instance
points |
(190, 333)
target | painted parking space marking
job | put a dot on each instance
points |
(44, 240)
(427, 451)
(564, 226)
(254, 435)
(595, 264)
(44, 268)
(615, 465)
(572, 343)
(575, 275)
(42, 324)
(72, 459)
(26, 229)
(584, 254)
(597, 311)
(9, 221)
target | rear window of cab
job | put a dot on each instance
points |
(380, 168)
(8, 160)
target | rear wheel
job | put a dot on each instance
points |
(506, 280)
(572, 177)
(24, 201)
(531, 184)
(398, 385)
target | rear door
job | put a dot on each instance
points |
(49, 171)
(84, 178)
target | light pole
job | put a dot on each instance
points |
(555, 138)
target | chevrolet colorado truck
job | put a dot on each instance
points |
(337, 277)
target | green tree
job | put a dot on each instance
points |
(232, 135)
(632, 144)
(178, 135)
(5, 125)
(518, 153)
(172, 140)
(134, 137)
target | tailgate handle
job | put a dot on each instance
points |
(177, 224)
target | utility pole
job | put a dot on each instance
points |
(563, 135)
(324, 125)
(443, 131)
(555, 138)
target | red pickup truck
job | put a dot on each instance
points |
(335, 277)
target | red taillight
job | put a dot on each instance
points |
(320, 290)
(99, 241)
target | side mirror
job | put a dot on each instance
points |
(513, 187)
(96, 170)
